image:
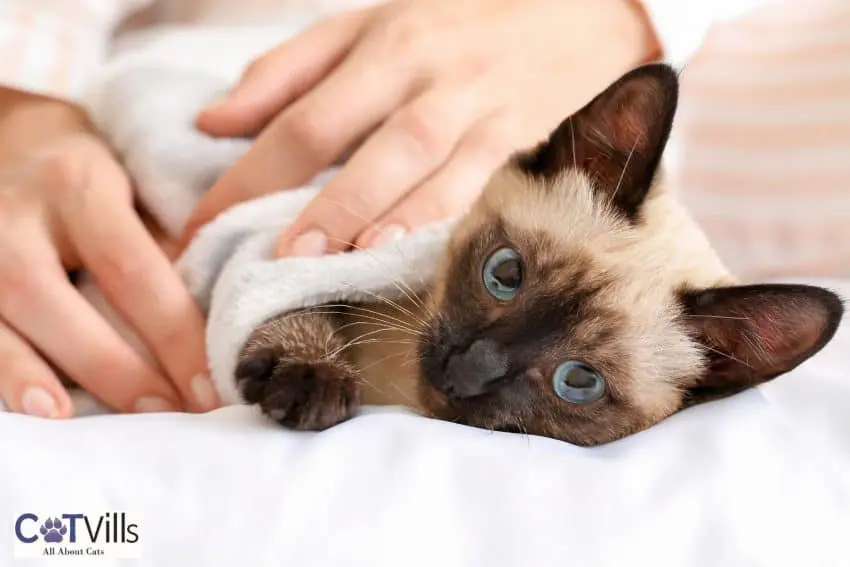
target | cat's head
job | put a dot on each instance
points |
(579, 301)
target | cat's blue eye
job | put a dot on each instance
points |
(578, 383)
(503, 274)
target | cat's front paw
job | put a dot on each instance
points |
(298, 394)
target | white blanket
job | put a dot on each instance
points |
(757, 479)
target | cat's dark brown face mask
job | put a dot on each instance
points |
(578, 301)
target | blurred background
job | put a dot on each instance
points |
(764, 136)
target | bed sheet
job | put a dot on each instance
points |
(762, 478)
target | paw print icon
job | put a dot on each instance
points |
(53, 530)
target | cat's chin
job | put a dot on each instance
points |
(509, 428)
(485, 411)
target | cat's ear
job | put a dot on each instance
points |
(756, 332)
(616, 140)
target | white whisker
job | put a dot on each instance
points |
(404, 323)
(720, 317)
(373, 225)
(625, 167)
(409, 293)
(358, 340)
(382, 359)
(573, 136)
(375, 316)
(383, 327)
(727, 355)
(390, 321)
(388, 301)
(404, 394)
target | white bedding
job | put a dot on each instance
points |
(762, 478)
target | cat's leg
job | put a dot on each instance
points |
(293, 366)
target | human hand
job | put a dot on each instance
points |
(442, 91)
(65, 203)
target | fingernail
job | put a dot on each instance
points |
(37, 401)
(204, 392)
(311, 243)
(152, 404)
(387, 235)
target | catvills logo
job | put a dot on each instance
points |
(112, 534)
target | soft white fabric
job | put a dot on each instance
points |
(146, 105)
(759, 479)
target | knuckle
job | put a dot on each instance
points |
(77, 170)
(17, 277)
(68, 166)
(405, 38)
(421, 125)
(402, 39)
(17, 372)
(62, 170)
(11, 200)
(309, 127)
(170, 334)
(115, 270)
(476, 66)
(174, 343)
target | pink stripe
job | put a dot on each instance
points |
(776, 182)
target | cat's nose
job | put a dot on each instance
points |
(476, 370)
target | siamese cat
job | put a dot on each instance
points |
(576, 300)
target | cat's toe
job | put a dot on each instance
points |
(300, 395)
(313, 396)
(254, 372)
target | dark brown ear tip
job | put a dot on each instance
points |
(659, 69)
(662, 73)
(832, 303)
(835, 308)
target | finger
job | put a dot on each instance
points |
(137, 280)
(398, 157)
(308, 136)
(39, 303)
(27, 384)
(451, 190)
(281, 76)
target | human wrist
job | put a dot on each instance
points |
(28, 121)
